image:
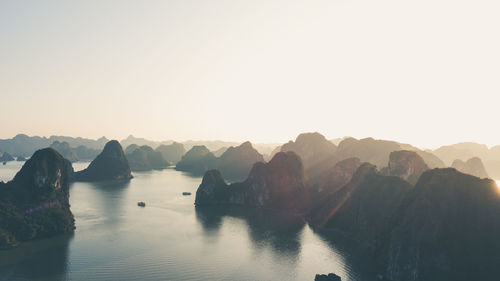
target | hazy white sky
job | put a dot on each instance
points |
(424, 72)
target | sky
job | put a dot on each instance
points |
(421, 72)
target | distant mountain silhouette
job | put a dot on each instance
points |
(65, 150)
(23, 145)
(234, 164)
(6, 157)
(312, 148)
(144, 158)
(172, 153)
(473, 166)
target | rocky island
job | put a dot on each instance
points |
(279, 184)
(110, 164)
(35, 203)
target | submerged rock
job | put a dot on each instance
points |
(327, 277)
(110, 164)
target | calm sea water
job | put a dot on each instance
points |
(170, 239)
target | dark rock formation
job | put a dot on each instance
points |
(362, 208)
(405, 164)
(312, 148)
(278, 184)
(35, 203)
(235, 163)
(65, 150)
(110, 164)
(144, 158)
(473, 166)
(445, 229)
(172, 153)
(197, 161)
(329, 277)
(6, 157)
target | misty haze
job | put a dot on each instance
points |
(249, 140)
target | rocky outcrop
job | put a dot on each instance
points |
(110, 164)
(65, 150)
(35, 203)
(473, 166)
(172, 153)
(445, 229)
(363, 207)
(405, 164)
(312, 148)
(196, 161)
(278, 184)
(327, 277)
(235, 163)
(6, 157)
(144, 158)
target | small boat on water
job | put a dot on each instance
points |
(141, 204)
(4, 163)
(186, 193)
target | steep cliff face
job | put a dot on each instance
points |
(473, 166)
(363, 207)
(405, 164)
(445, 229)
(35, 203)
(172, 153)
(235, 163)
(197, 161)
(278, 184)
(110, 164)
(144, 158)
